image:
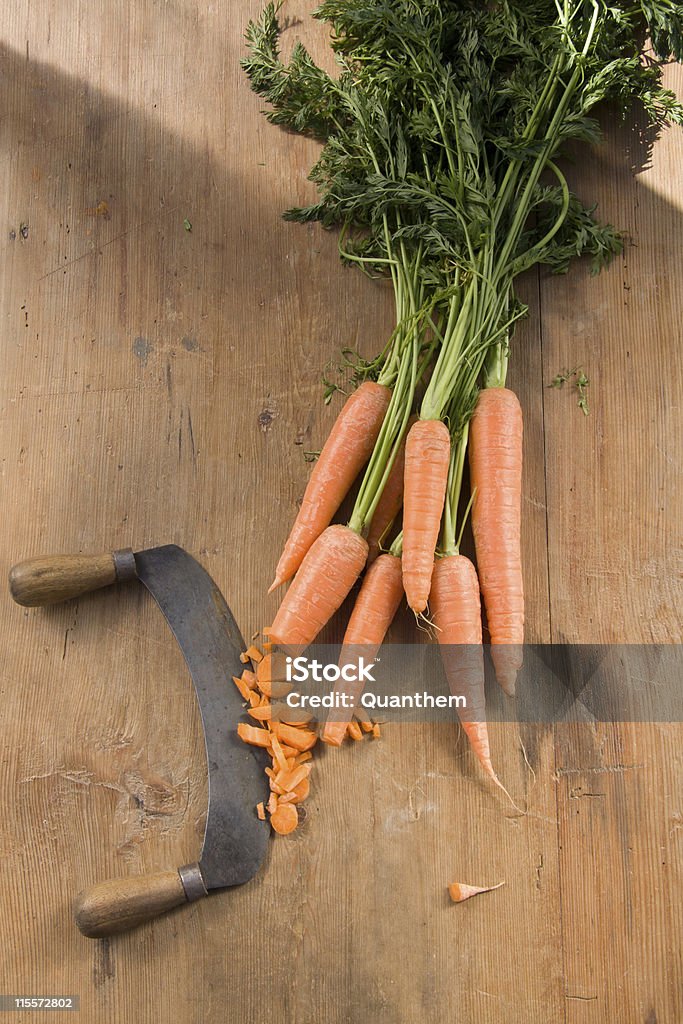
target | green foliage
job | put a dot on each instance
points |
(438, 129)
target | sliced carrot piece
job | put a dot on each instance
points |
(252, 734)
(261, 714)
(305, 756)
(354, 731)
(291, 778)
(285, 819)
(261, 811)
(376, 731)
(300, 739)
(244, 657)
(253, 654)
(297, 723)
(254, 699)
(366, 725)
(271, 806)
(249, 677)
(278, 755)
(296, 795)
(273, 688)
(242, 687)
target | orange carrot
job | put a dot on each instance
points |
(327, 574)
(496, 474)
(375, 607)
(252, 734)
(284, 819)
(428, 451)
(456, 607)
(345, 452)
(390, 503)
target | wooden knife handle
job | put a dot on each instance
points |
(124, 903)
(55, 578)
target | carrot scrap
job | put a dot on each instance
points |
(252, 734)
(244, 657)
(285, 819)
(459, 891)
(271, 806)
(254, 699)
(354, 731)
(249, 677)
(261, 714)
(301, 739)
(253, 654)
(278, 755)
(261, 811)
(242, 687)
(299, 793)
(305, 756)
(291, 778)
(376, 732)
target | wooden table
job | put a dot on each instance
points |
(159, 384)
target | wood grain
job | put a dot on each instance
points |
(159, 384)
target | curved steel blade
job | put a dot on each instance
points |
(235, 841)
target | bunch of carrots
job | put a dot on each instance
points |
(440, 140)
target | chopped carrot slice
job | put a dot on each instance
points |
(254, 654)
(277, 752)
(376, 731)
(285, 819)
(267, 647)
(297, 723)
(254, 699)
(305, 756)
(365, 725)
(301, 791)
(261, 714)
(242, 687)
(354, 731)
(244, 657)
(300, 739)
(270, 772)
(261, 811)
(291, 778)
(252, 734)
(271, 806)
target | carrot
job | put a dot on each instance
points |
(390, 503)
(252, 734)
(261, 811)
(375, 607)
(345, 452)
(428, 450)
(284, 819)
(327, 573)
(456, 608)
(242, 687)
(296, 738)
(460, 891)
(496, 478)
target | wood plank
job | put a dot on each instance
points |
(615, 548)
(159, 384)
